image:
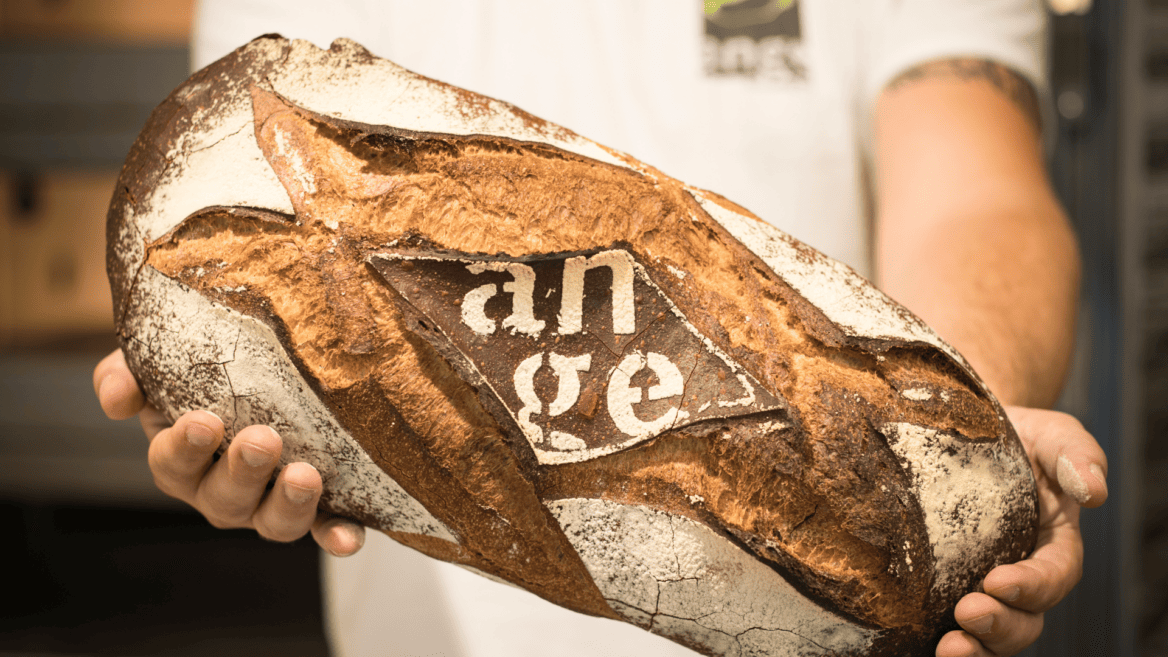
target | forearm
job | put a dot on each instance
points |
(969, 235)
(1000, 286)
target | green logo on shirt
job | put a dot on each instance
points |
(712, 6)
(754, 38)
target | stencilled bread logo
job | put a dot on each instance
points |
(754, 38)
(586, 354)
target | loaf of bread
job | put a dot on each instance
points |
(514, 349)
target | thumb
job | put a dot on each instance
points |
(1065, 452)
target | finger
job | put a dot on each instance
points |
(961, 644)
(180, 455)
(1083, 479)
(289, 509)
(152, 421)
(230, 493)
(1065, 451)
(1000, 629)
(116, 389)
(339, 537)
(1038, 583)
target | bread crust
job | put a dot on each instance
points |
(820, 433)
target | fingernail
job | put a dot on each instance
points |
(356, 536)
(980, 625)
(199, 435)
(101, 397)
(1070, 481)
(1098, 473)
(1007, 594)
(351, 537)
(298, 495)
(254, 456)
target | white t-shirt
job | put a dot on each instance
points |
(767, 106)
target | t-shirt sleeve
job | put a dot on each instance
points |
(897, 35)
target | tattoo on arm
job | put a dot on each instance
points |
(1014, 86)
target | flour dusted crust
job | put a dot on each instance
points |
(517, 350)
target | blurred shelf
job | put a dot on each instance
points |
(1155, 27)
(56, 445)
(1156, 102)
(1157, 195)
(110, 21)
(53, 283)
(80, 104)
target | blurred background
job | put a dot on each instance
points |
(104, 564)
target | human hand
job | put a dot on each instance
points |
(1071, 471)
(231, 491)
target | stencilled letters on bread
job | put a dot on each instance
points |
(601, 331)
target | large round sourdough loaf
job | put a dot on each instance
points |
(517, 350)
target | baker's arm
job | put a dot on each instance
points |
(231, 491)
(970, 237)
(969, 233)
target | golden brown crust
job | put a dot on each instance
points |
(811, 487)
(467, 196)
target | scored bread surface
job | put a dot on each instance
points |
(735, 442)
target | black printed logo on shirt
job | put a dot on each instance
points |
(755, 39)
